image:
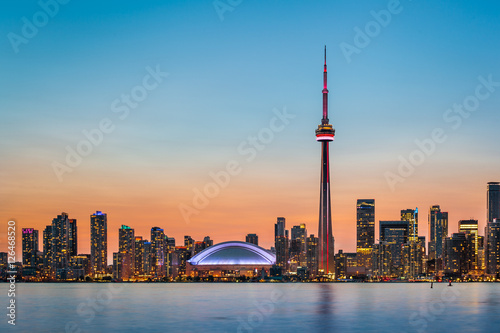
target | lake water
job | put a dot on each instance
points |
(254, 307)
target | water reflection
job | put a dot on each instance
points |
(325, 308)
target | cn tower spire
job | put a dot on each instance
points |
(325, 95)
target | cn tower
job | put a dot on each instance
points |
(324, 134)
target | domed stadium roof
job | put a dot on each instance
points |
(233, 253)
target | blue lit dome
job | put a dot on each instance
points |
(233, 253)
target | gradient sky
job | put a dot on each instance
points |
(225, 78)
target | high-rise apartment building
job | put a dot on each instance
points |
(99, 243)
(411, 215)
(470, 227)
(458, 253)
(298, 245)
(493, 201)
(365, 231)
(312, 252)
(158, 251)
(492, 247)
(30, 247)
(47, 251)
(73, 238)
(393, 234)
(438, 231)
(281, 243)
(60, 243)
(139, 256)
(126, 246)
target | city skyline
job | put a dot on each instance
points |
(399, 252)
(366, 225)
(62, 82)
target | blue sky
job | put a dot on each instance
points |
(225, 78)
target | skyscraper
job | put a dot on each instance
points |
(413, 252)
(324, 134)
(139, 256)
(492, 247)
(148, 258)
(394, 234)
(470, 227)
(382, 260)
(158, 249)
(441, 232)
(365, 231)
(299, 231)
(457, 253)
(411, 215)
(30, 247)
(60, 242)
(252, 238)
(298, 244)
(47, 250)
(312, 251)
(438, 231)
(281, 243)
(126, 246)
(99, 242)
(121, 266)
(493, 201)
(413, 255)
(73, 240)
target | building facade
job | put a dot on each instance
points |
(30, 247)
(99, 243)
(252, 238)
(438, 231)
(365, 231)
(493, 201)
(281, 243)
(126, 246)
(60, 243)
(492, 247)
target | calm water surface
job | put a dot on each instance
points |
(232, 307)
